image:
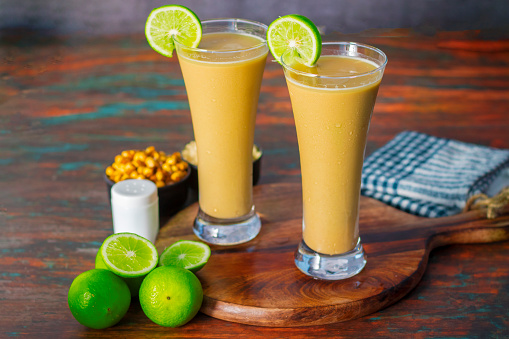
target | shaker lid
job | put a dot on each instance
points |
(134, 193)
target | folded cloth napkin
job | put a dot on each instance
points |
(430, 176)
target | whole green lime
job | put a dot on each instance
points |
(133, 283)
(171, 296)
(98, 298)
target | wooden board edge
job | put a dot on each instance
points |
(313, 316)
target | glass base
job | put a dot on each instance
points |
(330, 267)
(227, 231)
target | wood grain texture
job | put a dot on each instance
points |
(257, 283)
(67, 106)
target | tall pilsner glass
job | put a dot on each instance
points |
(223, 77)
(332, 104)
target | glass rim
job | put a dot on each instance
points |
(252, 22)
(377, 50)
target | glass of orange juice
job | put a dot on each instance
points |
(332, 104)
(223, 78)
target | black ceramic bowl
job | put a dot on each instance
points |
(172, 197)
(257, 167)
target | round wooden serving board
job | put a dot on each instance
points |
(257, 283)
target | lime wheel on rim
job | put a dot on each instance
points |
(296, 34)
(166, 23)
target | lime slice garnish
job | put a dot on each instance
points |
(129, 255)
(191, 255)
(166, 22)
(297, 34)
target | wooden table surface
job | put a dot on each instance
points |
(67, 106)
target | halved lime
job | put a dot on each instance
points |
(129, 255)
(191, 255)
(294, 33)
(166, 22)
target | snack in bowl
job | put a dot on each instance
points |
(148, 164)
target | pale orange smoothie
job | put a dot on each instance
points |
(223, 96)
(332, 121)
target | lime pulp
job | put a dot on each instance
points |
(129, 255)
(191, 255)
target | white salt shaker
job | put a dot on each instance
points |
(135, 208)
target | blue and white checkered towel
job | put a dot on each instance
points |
(430, 176)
